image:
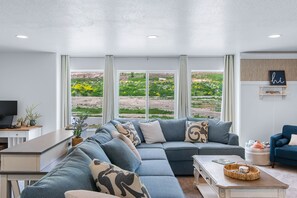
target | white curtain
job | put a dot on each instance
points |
(108, 90)
(228, 104)
(183, 88)
(65, 88)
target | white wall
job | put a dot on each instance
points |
(30, 78)
(261, 118)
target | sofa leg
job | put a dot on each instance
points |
(272, 165)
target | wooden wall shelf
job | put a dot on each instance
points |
(272, 90)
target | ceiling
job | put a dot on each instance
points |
(192, 27)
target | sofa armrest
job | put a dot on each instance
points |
(273, 140)
(233, 139)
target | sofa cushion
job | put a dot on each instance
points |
(101, 136)
(152, 154)
(121, 155)
(116, 134)
(152, 132)
(162, 187)
(113, 180)
(136, 125)
(154, 168)
(281, 142)
(180, 151)
(71, 173)
(86, 194)
(196, 131)
(145, 145)
(287, 151)
(93, 150)
(218, 131)
(214, 148)
(109, 127)
(173, 130)
(128, 130)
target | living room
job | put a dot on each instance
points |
(151, 60)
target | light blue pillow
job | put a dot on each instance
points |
(121, 155)
(218, 131)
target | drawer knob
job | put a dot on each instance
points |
(207, 178)
(16, 134)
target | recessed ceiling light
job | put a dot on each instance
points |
(22, 36)
(274, 36)
(152, 36)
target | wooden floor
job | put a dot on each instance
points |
(187, 185)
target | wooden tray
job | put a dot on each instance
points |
(232, 170)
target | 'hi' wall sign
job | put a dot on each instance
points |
(277, 77)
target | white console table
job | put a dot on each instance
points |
(31, 160)
(18, 135)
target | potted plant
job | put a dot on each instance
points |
(31, 115)
(79, 125)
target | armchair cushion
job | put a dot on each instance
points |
(287, 152)
(281, 142)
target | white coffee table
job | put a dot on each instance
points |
(219, 185)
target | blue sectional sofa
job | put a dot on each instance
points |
(160, 161)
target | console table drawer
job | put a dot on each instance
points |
(14, 134)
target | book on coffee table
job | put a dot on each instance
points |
(223, 161)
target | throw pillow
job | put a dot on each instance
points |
(116, 134)
(152, 132)
(281, 142)
(218, 131)
(86, 193)
(115, 181)
(196, 131)
(293, 141)
(121, 155)
(129, 131)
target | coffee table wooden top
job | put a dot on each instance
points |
(216, 171)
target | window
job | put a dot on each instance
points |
(87, 96)
(206, 94)
(146, 95)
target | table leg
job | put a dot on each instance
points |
(15, 188)
(196, 177)
(5, 187)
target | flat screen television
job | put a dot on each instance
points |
(8, 109)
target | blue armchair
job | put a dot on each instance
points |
(280, 151)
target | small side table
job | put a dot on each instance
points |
(259, 157)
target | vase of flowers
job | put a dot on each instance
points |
(32, 115)
(79, 125)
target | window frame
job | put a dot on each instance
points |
(190, 87)
(147, 106)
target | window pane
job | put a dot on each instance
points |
(207, 94)
(87, 95)
(161, 95)
(132, 95)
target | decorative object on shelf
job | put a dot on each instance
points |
(31, 115)
(272, 90)
(277, 77)
(242, 172)
(79, 125)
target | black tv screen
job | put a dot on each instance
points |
(8, 108)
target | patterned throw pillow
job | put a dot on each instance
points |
(129, 131)
(113, 180)
(196, 131)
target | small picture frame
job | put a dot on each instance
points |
(277, 77)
